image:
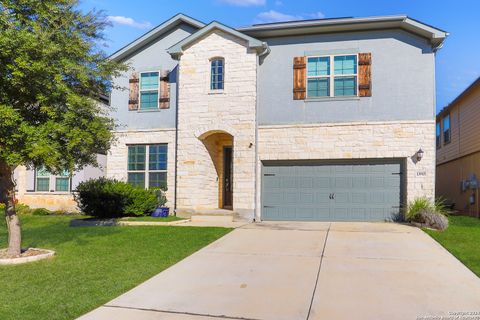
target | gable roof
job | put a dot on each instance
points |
(177, 49)
(154, 33)
(471, 87)
(434, 35)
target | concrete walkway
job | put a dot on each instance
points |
(306, 271)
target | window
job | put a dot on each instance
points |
(45, 181)
(446, 129)
(438, 132)
(42, 180)
(62, 182)
(147, 165)
(217, 74)
(149, 90)
(320, 79)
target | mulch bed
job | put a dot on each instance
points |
(25, 253)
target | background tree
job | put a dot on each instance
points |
(52, 70)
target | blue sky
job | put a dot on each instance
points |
(458, 63)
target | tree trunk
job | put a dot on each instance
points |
(7, 197)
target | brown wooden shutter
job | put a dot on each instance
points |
(133, 95)
(164, 89)
(364, 74)
(299, 78)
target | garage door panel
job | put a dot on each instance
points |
(360, 182)
(288, 181)
(287, 213)
(343, 182)
(342, 197)
(274, 198)
(377, 182)
(307, 198)
(322, 182)
(351, 192)
(305, 182)
(359, 197)
(322, 199)
(271, 182)
(306, 213)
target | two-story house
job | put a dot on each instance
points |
(329, 119)
(458, 151)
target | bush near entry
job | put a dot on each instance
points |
(110, 198)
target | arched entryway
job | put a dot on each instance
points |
(219, 145)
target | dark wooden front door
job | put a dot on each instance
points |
(227, 177)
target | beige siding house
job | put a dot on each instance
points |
(458, 151)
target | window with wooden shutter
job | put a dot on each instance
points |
(364, 74)
(133, 93)
(299, 78)
(165, 89)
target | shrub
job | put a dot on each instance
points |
(41, 212)
(22, 209)
(109, 198)
(427, 213)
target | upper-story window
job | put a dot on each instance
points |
(446, 129)
(149, 90)
(217, 76)
(322, 82)
(438, 133)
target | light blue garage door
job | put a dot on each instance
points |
(362, 191)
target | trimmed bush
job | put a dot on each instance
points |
(432, 215)
(110, 198)
(41, 212)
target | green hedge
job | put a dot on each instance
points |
(109, 198)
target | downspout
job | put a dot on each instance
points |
(266, 50)
(176, 135)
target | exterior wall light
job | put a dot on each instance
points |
(420, 154)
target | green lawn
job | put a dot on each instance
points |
(462, 239)
(93, 264)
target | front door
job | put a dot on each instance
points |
(227, 178)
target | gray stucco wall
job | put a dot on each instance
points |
(403, 79)
(152, 57)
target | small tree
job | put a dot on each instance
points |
(51, 71)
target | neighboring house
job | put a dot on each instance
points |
(38, 188)
(303, 120)
(458, 151)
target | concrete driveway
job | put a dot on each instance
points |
(307, 271)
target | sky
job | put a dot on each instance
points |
(457, 63)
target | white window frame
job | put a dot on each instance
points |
(146, 90)
(147, 163)
(211, 74)
(52, 182)
(332, 75)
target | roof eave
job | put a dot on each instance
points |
(155, 32)
(434, 35)
(177, 49)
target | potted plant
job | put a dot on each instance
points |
(161, 210)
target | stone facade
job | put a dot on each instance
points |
(202, 113)
(117, 158)
(62, 201)
(361, 140)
